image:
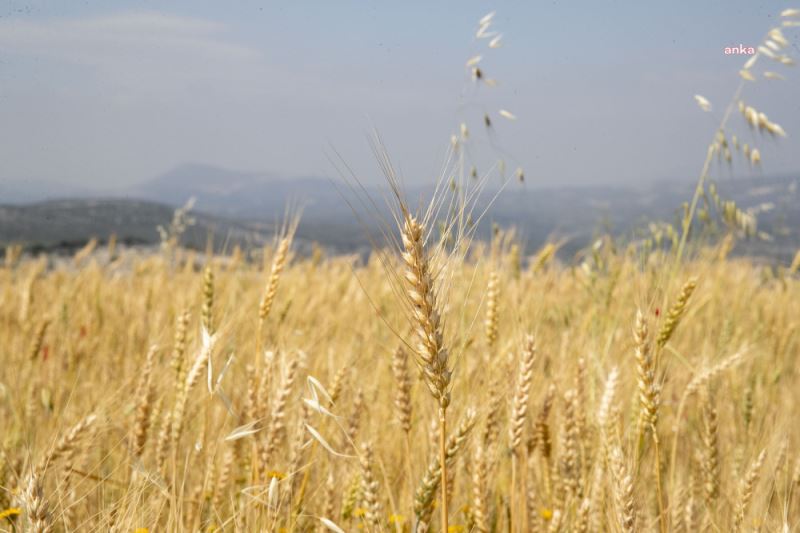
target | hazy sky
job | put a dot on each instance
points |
(113, 93)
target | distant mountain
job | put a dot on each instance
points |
(27, 191)
(235, 193)
(243, 207)
(68, 224)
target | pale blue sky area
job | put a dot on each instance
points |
(113, 93)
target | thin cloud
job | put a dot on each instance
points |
(132, 47)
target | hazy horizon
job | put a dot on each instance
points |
(107, 95)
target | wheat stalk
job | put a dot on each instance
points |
(432, 356)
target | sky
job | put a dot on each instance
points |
(108, 94)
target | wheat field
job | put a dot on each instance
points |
(441, 384)
(155, 392)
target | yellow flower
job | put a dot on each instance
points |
(141, 530)
(456, 529)
(359, 511)
(547, 514)
(274, 473)
(11, 511)
(396, 519)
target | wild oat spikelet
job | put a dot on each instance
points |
(519, 405)
(492, 296)
(703, 102)
(675, 313)
(402, 398)
(431, 352)
(507, 114)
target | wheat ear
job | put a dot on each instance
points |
(432, 356)
(623, 492)
(144, 403)
(426, 492)
(207, 311)
(519, 411)
(369, 489)
(480, 511)
(747, 488)
(402, 398)
(675, 313)
(492, 311)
